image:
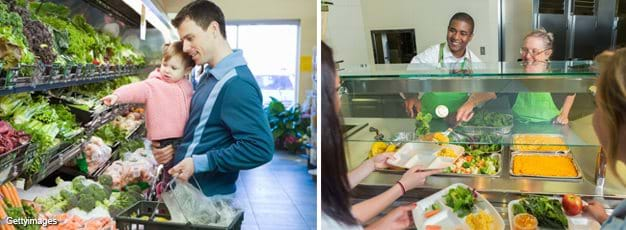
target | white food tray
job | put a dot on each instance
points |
(425, 154)
(446, 218)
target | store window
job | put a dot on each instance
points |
(271, 50)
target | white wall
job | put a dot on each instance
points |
(304, 10)
(429, 18)
(345, 32)
(517, 23)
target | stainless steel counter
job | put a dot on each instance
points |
(501, 189)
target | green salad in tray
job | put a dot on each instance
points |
(461, 200)
(549, 212)
(475, 162)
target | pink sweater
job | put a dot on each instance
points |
(167, 104)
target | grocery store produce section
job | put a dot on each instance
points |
(67, 161)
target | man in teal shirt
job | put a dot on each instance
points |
(227, 130)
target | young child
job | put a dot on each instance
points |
(166, 95)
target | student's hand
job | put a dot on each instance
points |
(380, 160)
(562, 119)
(412, 106)
(162, 155)
(596, 210)
(183, 170)
(465, 112)
(416, 177)
(110, 99)
(398, 218)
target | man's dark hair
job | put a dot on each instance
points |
(202, 12)
(462, 16)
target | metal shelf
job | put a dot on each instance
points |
(73, 77)
(54, 85)
(58, 161)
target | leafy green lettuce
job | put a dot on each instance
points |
(461, 200)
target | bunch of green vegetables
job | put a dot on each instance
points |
(461, 200)
(82, 194)
(78, 42)
(422, 123)
(47, 124)
(487, 143)
(111, 134)
(131, 145)
(549, 212)
(11, 34)
(490, 119)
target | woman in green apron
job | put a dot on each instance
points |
(539, 107)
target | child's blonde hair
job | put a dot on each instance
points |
(176, 48)
(611, 100)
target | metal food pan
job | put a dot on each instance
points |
(579, 173)
(514, 146)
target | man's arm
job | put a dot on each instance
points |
(253, 143)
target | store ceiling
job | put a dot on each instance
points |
(119, 10)
(170, 7)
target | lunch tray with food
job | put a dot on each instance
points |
(544, 165)
(429, 155)
(545, 143)
(546, 213)
(456, 207)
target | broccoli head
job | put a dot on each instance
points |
(105, 180)
(96, 192)
(72, 203)
(66, 194)
(86, 202)
(77, 183)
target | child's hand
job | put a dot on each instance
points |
(110, 99)
(183, 170)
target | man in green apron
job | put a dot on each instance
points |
(453, 52)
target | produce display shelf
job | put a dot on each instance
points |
(114, 156)
(56, 85)
(61, 77)
(58, 160)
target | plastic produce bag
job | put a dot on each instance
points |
(187, 204)
(96, 153)
(138, 166)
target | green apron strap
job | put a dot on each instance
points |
(535, 107)
(441, 46)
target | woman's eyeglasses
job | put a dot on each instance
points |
(534, 53)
